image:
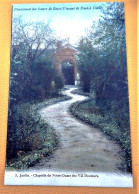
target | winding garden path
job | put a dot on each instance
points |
(83, 147)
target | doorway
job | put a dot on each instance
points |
(68, 73)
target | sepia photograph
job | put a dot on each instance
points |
(68, 117)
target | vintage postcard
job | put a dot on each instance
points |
(68, 120)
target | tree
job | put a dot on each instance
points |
(110, 39)
(30, 41)
(87, 59)
(37, 38)
(103, 56)
(102, 61)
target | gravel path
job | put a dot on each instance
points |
(83, 147)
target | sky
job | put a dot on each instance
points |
(68, 20)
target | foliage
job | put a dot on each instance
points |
(102, 58)
(32, 71)
(46, 77)
(87, 61)
(37, 38)
(103, 68)
(27, 132)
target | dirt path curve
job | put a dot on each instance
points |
(83, 147)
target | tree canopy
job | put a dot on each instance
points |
(102, 56)
(33, 45)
